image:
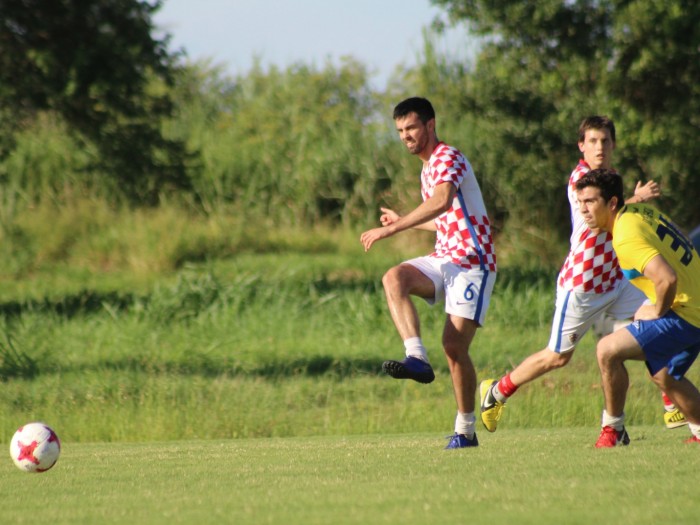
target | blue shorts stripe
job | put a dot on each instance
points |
(480, 301)
(560, 328)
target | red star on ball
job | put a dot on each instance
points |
(27, 452)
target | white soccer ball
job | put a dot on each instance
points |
(35, 447)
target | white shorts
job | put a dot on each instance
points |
(576, 312)
(466, 293)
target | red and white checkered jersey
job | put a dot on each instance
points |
(463, 231)
(591, 265)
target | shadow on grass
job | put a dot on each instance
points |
(318, 366)
(69, 306)
(14, 362)
(202, 366)
(187, 296)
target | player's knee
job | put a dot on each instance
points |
(398, 279)
(558, 360)
(456, 352)
(664, 381)
(392, 278)
(605, 351)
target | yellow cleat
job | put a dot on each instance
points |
(674, 419)
(491, 409)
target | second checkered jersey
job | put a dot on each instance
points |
(463, 231)
(591, 265)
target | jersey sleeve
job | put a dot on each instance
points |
(447, 166)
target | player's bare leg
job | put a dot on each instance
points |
(494, 393)
(456, 340)
(400, 283)
(682, 392)
(612, 352)
(538, 364)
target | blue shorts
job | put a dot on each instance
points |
(667, 342)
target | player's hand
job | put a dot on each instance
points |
(388, 216)
(646, 312)
(648, 191)
(371, 236)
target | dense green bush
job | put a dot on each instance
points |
(294, 147)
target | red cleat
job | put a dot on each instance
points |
(609, 437)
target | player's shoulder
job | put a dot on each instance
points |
(633, 217)
(637, 212)
(444, 149)
(579, 171)
(444, 154)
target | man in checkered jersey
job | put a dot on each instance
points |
(590, 283)
(461, 271)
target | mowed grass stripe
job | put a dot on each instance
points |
(532, 476)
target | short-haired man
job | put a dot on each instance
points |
(659, 260)
(461, 271)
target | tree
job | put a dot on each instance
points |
(97, 64)
(546, 65)
(300, 144)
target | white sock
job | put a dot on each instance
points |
(496, 393)
(617, 422)
(694, 429)
(464, 424)
(414, 348)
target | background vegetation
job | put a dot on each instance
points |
(302, 144)
(178, 248)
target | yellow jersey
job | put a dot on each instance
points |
(641, 233)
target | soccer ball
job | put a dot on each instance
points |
(35, 447)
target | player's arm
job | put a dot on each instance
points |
(659, 272)
(423, 215)
(644, 192)
(427, 226)
(428, 210)
(390, 216)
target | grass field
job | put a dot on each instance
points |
(537, 476)
(224, 350)
(248, 390)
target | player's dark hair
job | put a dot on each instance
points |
(609, 183)
(596, 122)
(420, 106)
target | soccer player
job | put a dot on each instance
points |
(659, 260)
(589, 284)
(461, 271)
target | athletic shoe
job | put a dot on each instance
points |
(609, 437)
(674, 419)
(491, 408)
(693, 439)
(410, 368)
(462, 441)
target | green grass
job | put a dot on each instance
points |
(247, 389)
(270, 346)
(536, 476)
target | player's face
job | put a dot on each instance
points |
(596, 213)
(597, 148)
(414, 134)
